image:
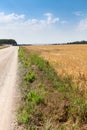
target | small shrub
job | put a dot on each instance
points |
(30, 77)
(34, 97)
(23, 118)
(26, 63)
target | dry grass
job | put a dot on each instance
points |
(67, 59)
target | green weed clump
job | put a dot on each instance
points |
(23, 118)
(34, 97)
(27, 108)
(29, 77)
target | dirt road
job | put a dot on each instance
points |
(8, 73)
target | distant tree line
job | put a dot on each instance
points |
(8, 42)
(25, 44)
(77, 42)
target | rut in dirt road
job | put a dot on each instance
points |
(8, 74)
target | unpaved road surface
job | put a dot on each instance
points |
(8, 74)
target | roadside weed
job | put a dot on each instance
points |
(34, 97)
(29, 77)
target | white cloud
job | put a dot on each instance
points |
(50, 19)
(45, 30)
(13, 20)
(82, 24)
(25, 29)
(64, 22)
(10, 17)
(48, 14)
(55, 20)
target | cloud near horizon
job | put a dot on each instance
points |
(25, 29)
(13, 18)
(82, 26)
(82, 23)
(49, 29)
(9, 18)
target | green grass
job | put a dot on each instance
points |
(21, 53)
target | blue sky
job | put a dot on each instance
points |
(43, 21)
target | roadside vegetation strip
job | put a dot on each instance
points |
(48, 101)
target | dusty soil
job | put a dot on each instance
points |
(8, 73)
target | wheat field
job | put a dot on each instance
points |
(68, 60)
